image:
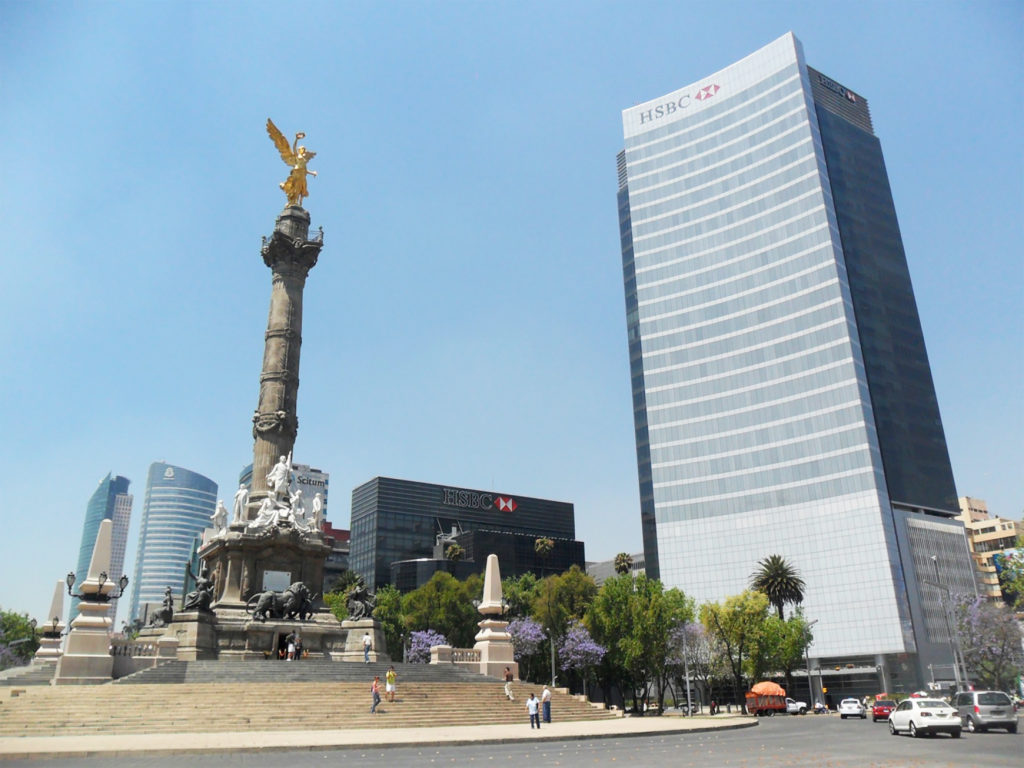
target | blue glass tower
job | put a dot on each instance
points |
(177, 508)
(110, 501)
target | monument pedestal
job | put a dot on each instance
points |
(87, 659)
(496, 650)
(195, 633)
(356, 629)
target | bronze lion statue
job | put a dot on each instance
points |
(293, 603)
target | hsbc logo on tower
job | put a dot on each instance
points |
(671, 107)
(454, 497)
(506, 504)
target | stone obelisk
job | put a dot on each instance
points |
(290, 254)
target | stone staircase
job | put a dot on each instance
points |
(307, 671)
(428, 695)
(32, 674)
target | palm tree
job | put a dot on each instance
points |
(543, 547)
(778, 580)
(623, 563)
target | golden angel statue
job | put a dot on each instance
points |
(295, 156)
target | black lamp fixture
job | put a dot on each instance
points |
(98, 597)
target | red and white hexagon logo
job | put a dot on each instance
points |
(506, 504)
(706, 92)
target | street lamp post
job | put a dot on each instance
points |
(807, 660)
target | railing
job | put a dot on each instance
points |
(445, 654)
(132, 655)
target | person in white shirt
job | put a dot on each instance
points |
(545, 702)
(531, 707)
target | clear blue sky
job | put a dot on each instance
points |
(465, 324)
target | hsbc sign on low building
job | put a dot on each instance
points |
(454, 497)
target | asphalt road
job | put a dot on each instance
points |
(788, 742)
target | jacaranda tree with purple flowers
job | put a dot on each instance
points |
(990, 639)
(420, 644)
(578, 654)
(527, 641)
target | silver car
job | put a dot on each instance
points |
(981, 710)
(924, 716)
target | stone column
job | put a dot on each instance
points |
(290, 255)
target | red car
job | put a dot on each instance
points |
(882, 710)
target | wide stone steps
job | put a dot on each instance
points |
(33, 674)
(211, 707)
(307, 671)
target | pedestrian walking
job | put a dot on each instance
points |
(545, 704)
(291, 646)
(532, 709)
(390, 678)
(367, 646)
(375, 691)
(508, 684)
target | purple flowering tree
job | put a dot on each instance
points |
(578, 653)
(990, 640)
(420, 644)
(527, 637)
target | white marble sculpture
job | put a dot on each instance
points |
(241, 498)
(318, 512)
(267, 515)
(280, 477)
(219, 518)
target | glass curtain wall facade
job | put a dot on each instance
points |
(177, 508)
(395, 520)
(111, 501)
(755, 349)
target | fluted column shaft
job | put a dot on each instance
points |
(290, 255)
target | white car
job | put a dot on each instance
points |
(918, 716)
(852, 708)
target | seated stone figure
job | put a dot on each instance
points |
(162, 616)
(201, 597)
(360, 602)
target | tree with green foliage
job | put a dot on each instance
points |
(520, 593)
(779, 581)
(455, 553)
(18, 642)
(736, 626)
(634, 619)
(778, 648)
(388, 612)
(445, 605)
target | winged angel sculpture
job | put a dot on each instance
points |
(296, 157)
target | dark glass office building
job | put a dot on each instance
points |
(782, 396)
(400, 520)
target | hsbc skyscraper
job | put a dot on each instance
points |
(400, 520)
(782, 394)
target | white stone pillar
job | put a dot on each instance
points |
(87, 658)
